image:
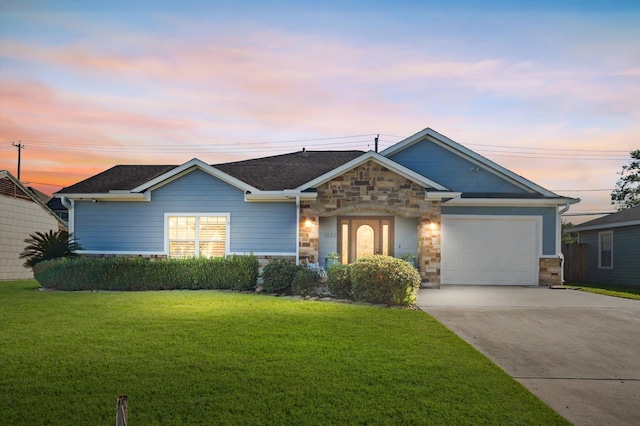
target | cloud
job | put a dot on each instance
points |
(123, 94)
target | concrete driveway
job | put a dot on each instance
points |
(578, 352)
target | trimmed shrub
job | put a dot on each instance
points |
(245, 272)
(339, 280)
(278, 275)
(120, 273)
(384, 279)
(305, 282)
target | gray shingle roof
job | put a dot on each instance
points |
(628, 216)
(287, 171)
(274, 173)
(117, 178)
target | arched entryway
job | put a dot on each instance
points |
(360, 236)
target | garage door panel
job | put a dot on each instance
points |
(490, 250)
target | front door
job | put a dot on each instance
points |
(364, 236)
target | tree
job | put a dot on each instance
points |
(50, 245)
(627, 191)
(568, 237)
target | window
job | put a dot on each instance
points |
(605, 250)
(197, 235)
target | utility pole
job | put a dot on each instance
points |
(377, 136)
(20, 148)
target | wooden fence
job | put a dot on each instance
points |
(575, 262)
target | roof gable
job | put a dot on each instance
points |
(373, 156)
(517, 183)
(188, 167)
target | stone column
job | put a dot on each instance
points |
(309, 229)
(550, 271)
(429, 244)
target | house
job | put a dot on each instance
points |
(22, 213)
(55, 204)
(467, 219)
(612, 248)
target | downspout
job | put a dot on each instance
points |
(559, 239)
(297, 230)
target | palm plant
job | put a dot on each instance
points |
(49, 245)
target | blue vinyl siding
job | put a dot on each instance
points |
(626, 257)
(139, 226)
(118, 226)
(405, 236)
(548, 215)
(328, 233)
(449, 169)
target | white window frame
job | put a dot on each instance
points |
(197, 237)
(600, 235)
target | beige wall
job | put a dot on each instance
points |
(18, 219)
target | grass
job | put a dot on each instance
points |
(610, 290)
(208, 357)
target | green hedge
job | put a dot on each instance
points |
(119, 273)
(384, 279)
(278, 275)
(306, 282)
(339, 280)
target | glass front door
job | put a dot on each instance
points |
(364, 236)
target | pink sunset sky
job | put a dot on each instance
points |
(549, 90)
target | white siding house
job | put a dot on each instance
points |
(21, 214)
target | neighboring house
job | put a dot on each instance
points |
(467, 219)
(22, 213)
(613, 248)
(55, 204)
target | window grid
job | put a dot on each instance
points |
(209, 240)
(605, 250)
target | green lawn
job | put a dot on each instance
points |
(609, 290)
(207, 357)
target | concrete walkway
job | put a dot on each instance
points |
(578, 352)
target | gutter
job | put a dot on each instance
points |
(285, 196)
(110, 196)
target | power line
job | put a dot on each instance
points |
(560, 158)
(550, 149)
(581, 190)
(41, 183)
(536, 153)
(236, 144)
(586, 213)
(330, 142)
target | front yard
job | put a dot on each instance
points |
(609, 290)
(210, 357)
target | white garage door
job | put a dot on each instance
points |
(490, 250)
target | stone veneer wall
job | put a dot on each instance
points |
(151, 257)
(371, 186)
(429, 244)
(550, 271)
